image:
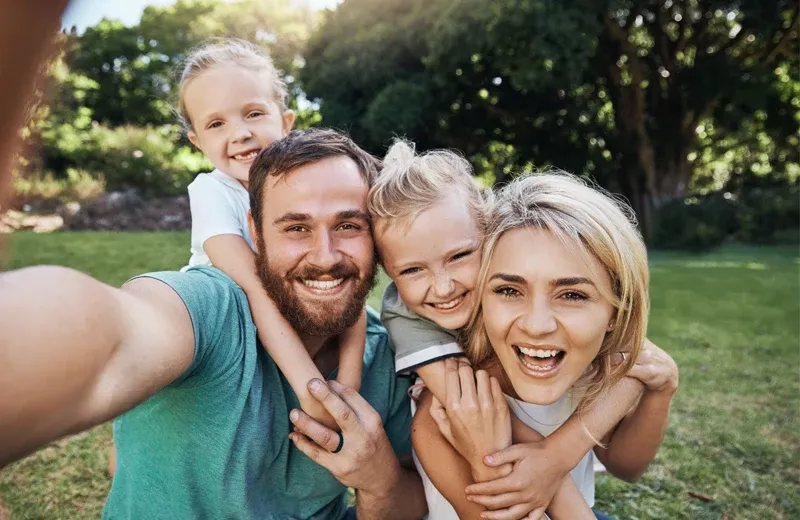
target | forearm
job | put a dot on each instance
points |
(576, 437)
(635, 442)
(568, 503)
(403, 497)
(59, 328)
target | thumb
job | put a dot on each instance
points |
(511, 454)
(536, 514)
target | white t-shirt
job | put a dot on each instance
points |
(543, 419)
(219, 206)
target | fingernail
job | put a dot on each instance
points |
(489, 459)
(291, 437)
(315, 385)
(294, 415)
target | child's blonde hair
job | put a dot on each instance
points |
(225, 51)
(410, 183)
(595, 224)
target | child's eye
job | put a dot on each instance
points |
(574, 296)
(462, 254)
(255, 113)
(410, 270)
(214, 124)
(506, 292)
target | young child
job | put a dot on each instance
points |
(232, 102)
(429, 218)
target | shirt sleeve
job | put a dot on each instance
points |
(416, 341)
(220, 320)
(212, 212)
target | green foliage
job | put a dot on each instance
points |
(758, 215)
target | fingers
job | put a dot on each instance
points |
(484, 387)
(469, 393)
(495, 502)
(537, 514)
(323, 436)
(511, 454)
(619, 358)
(516, 512)
(497, 393)
(352, 398)
(452, 382)
(311, 450)
(341, 412)
(498, 486)
(439, 415)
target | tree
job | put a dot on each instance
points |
(617, 90)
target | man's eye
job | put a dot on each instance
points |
(506, 292)
(295, 229)
(348, 227)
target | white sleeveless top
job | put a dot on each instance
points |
(545, 420)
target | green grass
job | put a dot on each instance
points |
(731, 319)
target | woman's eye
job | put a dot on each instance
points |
(410, 270)
(463, 254)
(508, 292)
(574, 296)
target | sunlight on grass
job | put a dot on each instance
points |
(729, 318)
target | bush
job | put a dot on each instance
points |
(45, 191)
(766, 215)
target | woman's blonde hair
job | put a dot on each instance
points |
(410, 183)
(596, 224)
(225, 51)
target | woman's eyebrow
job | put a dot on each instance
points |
(510, 278)
(575, 280)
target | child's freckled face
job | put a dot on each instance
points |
(434, 261)
(234, 115)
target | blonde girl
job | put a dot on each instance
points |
(429, 221)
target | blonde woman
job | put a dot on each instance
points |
(563, 294)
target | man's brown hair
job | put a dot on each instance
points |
(297, 149)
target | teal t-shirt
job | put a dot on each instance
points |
(214, 444)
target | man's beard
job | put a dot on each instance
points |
(318, 320)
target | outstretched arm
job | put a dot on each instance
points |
(76, 352)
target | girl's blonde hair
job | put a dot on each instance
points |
(593, 223)
(225, 51)
(409, 183)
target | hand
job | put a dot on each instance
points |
(529, 488)
(656, 369)
(476, 421)
(366, 461)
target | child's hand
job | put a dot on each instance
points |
(656, 369)
(528, 489)
(351, 353)
(477, 421)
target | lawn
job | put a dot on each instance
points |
(730, 318)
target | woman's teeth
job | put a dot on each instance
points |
(324, 285)
(449, 305)
(538, 353)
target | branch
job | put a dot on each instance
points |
(779, 47)
(662, 41)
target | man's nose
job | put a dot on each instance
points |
(539, 319)
(325, 252)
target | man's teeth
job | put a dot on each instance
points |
(246, 156)
(538, 353)
(448, 305)
(323, 284)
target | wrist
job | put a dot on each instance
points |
(563, 455)
(386, 487)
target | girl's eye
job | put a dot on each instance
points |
(574, 296)
(255, 114)
(463, 254)
(215, 124)
(506, 292)
(410, 270)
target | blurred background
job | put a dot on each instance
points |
(688, 109)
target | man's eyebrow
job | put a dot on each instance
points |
(292, 217)
(510, 278)
(575, 280)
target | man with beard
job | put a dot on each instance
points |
(211, 428)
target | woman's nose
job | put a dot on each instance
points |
(538, 320)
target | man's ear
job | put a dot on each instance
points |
(193, 139)
(288, 121)
(251, 224)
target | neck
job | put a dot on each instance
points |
(315, 344)
(324, 352)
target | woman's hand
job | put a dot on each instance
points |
(656, 369)
(476, 420)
